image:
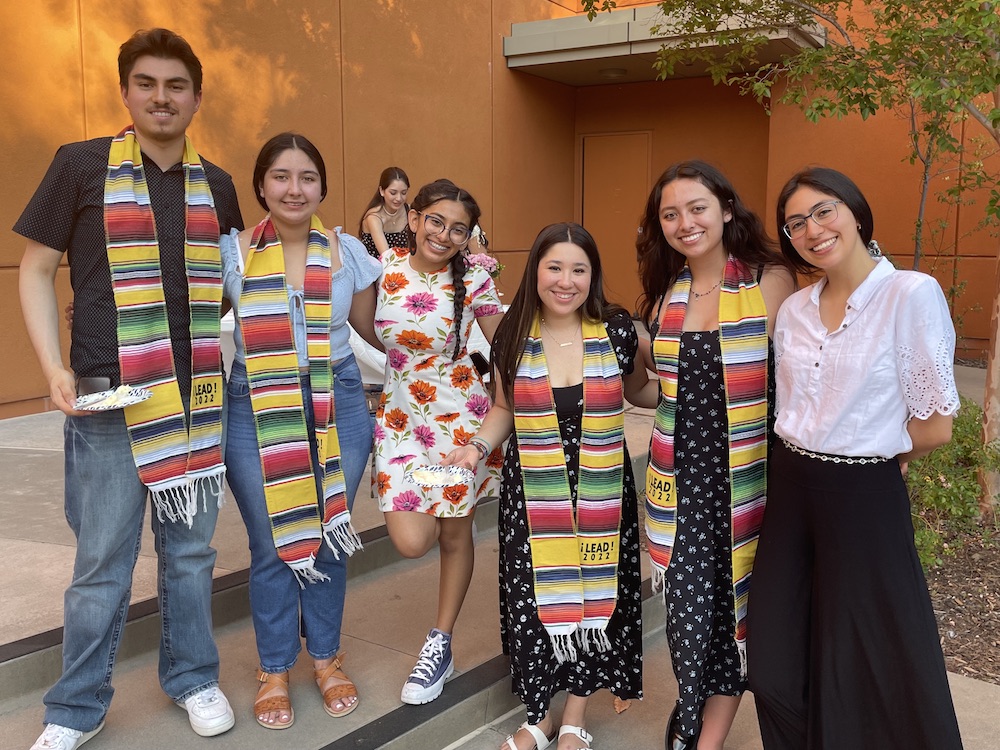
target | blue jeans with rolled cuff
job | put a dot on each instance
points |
(282, 611)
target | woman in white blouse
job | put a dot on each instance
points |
(843, 644)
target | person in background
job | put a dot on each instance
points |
(433, 400)
(563, 356)
(141, 204)
(844, 648)
(383, 223)
(298, 429)
(712, 285)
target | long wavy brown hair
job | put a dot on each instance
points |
(743, 236)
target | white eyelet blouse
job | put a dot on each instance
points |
(852, 391)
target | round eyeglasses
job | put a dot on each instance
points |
(824, 213)
(457, 233)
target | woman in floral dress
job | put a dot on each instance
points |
(433, 401)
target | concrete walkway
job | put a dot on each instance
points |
(389, 609)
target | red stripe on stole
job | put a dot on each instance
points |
(561, 613)
(301, 549)
(164, 469)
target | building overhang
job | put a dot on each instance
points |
(619, 47)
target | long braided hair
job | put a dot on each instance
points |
(446, 190)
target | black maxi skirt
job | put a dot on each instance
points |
(843, 646)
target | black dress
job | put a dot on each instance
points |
(395, 239)
(698, 585)
(536, 673)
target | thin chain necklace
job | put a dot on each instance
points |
(561, 344)
(698, 295)
(389, 216)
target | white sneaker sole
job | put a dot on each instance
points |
(419, 696)
(218, 726)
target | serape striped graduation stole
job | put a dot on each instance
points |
(300, 520)
(173, 455)
(743, 340)
(574, 556)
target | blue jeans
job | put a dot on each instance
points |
(276, 601)
(105, 506)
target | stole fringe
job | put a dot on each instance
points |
(179, 501)
(308, 574)
(741, 646)
(571, 646)
(341, 536)
(657, 580)
(563, 648)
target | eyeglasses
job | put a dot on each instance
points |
(458, 234)
(824, 213)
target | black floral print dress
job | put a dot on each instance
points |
(536, 673)
(698, 584)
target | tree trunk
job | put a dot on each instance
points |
(989, 481)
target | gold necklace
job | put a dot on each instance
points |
(705, 294)
(551, 336)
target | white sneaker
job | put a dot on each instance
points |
(56, 737)
(209, 712)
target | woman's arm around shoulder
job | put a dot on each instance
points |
(777, 284)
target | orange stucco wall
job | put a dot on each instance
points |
(421, 84)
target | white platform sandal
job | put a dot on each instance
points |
(541, 741)
(580, 732)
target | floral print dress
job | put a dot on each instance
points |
(536, 675)
(431, 403)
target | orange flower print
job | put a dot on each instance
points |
(461, 377)
(446, 418)
(461, 436)
(426, 364)
(414, 341)
(393, 282)
(495, 459)
(401, 252)
(384, 485)
(455, 493)
(423, 392)
(396, 419)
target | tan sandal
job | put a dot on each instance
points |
(342, 688)
(272, 696)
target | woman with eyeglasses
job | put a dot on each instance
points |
(383, 222)
(713, 282)
(433, 401)
(843, 643)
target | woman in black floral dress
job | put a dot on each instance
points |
(561, 289)
(697, 239)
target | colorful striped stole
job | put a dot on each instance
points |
(299, 519)
(174, 455)
(743, 340)
(574, 556)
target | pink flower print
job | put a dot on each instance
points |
(481, 288)
(401, 460)
(478, 405)
(420, 303)
(408, 500)
(379, 433)
(380, 323)
(397, 359)
(424, 435)
(483, 310)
